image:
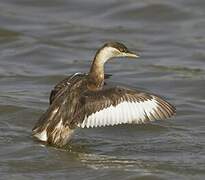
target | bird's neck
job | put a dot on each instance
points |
(96, 74)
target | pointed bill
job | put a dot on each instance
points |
(131, 54)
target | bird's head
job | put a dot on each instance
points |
(114, 49)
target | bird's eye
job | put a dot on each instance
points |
(125, 50)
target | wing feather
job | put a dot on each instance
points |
(119, 106)
(67, 82)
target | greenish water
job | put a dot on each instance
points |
(41, 42)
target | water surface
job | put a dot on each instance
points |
(41, 42)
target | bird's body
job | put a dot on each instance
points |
(83, 100)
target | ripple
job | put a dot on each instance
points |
(44, 41)
(151, 12)
(185, 71)
(144, 165)
(8, 34)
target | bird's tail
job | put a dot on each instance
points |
(51, 129)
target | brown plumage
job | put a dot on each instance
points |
(83, 100)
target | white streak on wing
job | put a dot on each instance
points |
(120, 117)
(92, 121)
(117, 116)
(113, 111)
(99, 119)
(129, 113)
(60, 124)
(138, 111)
(89, 120)
(149, 107)
(122, 109)
(87, 123)
(55, 110)
(106, 120)
(53, 113)
(145, 108)
(152, 105)
(135, 112)
(125, 112)
(77, 73)
(42, 136)
(125, 109)
(108, 114)
(143, 114)
(84, 122)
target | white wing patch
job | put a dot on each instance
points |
(42, 136)
(125, 112)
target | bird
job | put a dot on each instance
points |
(85, 100)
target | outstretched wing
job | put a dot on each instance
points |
(120, 105)
(53, 124)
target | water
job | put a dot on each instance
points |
(41, 42)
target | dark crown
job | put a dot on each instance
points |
(121, 47)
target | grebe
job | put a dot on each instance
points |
(83, 100)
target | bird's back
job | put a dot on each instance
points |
(66, 83)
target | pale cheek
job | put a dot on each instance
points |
(116, 53)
